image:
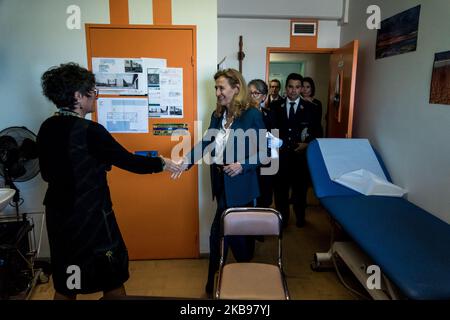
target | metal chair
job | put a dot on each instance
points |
(251, 280)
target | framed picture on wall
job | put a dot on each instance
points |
(398, 34)
(440, 81)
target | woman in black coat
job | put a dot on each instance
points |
(87, 251)
(308, 93)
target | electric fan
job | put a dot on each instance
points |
(18, 163)
(18, 158)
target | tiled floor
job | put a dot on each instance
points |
(186, 278)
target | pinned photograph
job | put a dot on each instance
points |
(134, 66)
(153, 79)
(398, 34)
(121, 81)
(440, 81)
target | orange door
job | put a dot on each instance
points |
(341, 99)
(158, 216)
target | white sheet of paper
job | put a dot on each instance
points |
(369, 184)
(165, 92)
(154, 63)
(123, 115)
(346, 155)
(274, 145)
(123, 76)
(353, 164)
(151, 63)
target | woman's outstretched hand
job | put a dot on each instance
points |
(171, 166)
(182, 166)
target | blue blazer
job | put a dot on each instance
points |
(243, 188)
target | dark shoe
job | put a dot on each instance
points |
(209, 288)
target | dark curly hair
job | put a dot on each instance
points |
(59, 84)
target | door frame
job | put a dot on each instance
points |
(270, 50)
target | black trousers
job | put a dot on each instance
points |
(242, 247)
(293, 174)
(266, 190)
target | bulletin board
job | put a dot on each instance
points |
(158, 217)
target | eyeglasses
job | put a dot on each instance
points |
(255, 93)
(96, 91)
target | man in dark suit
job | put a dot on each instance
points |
(297, 121)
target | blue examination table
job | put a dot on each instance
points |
(409, 245)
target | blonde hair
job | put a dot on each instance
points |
(242, 100)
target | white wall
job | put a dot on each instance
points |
(202, 13)
(140, 11)
(34, 37)
(329, 34)
(258, 35)
(322, 9)
(392, 103)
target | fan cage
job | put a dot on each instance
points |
(31, 165)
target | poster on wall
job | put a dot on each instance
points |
(440, 81)
(119, 76)
(169, 129)
(398, 34)
(123, 76)
(123, 115)
(165, 92)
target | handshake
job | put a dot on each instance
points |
(175, 167)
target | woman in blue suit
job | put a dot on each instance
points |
(232, 141)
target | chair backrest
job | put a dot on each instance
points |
(251, 222)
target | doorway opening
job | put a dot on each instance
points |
(308, 64)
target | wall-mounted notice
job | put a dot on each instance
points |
(123, 115)
(165, 92)
(440, 81)
(123, 76)
(167, 129)
(398, 34)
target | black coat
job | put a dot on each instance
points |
(74, 157)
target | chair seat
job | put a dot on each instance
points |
(252, 281)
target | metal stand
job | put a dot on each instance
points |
(18, 276)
